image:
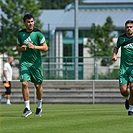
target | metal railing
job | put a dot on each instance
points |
(63, 68)
(88, 68)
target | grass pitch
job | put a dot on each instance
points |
(66, 118)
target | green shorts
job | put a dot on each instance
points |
(126, 75)
(31, 73)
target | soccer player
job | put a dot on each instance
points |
(125, 41)
(31, 42)
(7, 78)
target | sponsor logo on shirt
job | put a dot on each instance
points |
(28, 40)
(129, 46)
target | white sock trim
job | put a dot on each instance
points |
(39, 104)
(27, 104)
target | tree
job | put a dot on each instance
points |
(13, 12)
(100, 41)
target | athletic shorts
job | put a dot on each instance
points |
(31, 73)
(8, 89)
(126, 75)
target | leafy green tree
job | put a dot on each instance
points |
(110, 75)
(101, 40)
(12, 20)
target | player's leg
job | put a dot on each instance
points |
(39, 92)
(37, 78)
(130, 110)
(5, 93)
(24, 78)
(25, 92)
(8, 99)
(123, 83)
(125, 94)
(8, 92)
(124, 91)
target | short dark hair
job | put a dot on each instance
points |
(27, 16)
(128, 21)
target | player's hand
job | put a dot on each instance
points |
(114, 58)
(23, 47)
(30, 45)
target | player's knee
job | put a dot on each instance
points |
(24, 84)
(123, 89)
(38, 86)
(122, 92)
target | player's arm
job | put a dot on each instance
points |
(21, 48)
(42, 47)
(115, 51)
(5, 75)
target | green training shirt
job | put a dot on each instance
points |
(126, 51)
(31, 56)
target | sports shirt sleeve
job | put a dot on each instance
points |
(121, 40)
(5, 67)
(41, 38)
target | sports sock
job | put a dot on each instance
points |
(130, 108)
(27, 104)
(39, 104)
(8, 101)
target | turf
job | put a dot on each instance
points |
(67, 118)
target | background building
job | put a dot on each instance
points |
(59, 29)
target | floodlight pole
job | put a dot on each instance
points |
(76, 47)
(2, 35)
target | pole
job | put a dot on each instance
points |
(2, 37)
(49, 51)
(76, 39)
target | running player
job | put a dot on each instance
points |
(125, 41)
(31, 42)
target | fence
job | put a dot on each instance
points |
(71, 91)
(63, 68)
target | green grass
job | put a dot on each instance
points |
(67, 118)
